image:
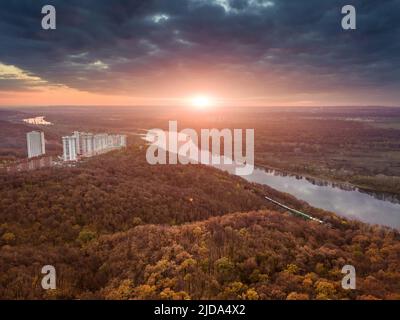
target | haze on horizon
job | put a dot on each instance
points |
(176, 52)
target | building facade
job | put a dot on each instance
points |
(69, 148)
(83, 144)
(36, 144)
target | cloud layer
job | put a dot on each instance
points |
(265, 47)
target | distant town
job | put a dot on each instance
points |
(76, 146)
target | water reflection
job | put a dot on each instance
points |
(344, 186)
(342, 199)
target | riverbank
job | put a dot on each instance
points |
(345, 200)
(371, 185)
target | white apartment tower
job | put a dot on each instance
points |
(87, 144)
(36, 144)
(122, 141)
(78, 142)
(70, 148)
(82, 144)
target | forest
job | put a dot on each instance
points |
(116, 227)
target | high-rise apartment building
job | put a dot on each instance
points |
(70, 148)
(82, 144)
(36, 144)
(122, 142)
(78, 141)
(86, 143)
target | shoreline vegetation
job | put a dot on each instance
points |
(371, 184)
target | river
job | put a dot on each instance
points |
(346, 201)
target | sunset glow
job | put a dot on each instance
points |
(165, 56)
(202, 102)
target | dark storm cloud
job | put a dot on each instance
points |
(104, 45)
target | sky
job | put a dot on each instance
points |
(173, 52)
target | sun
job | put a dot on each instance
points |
(202, 101)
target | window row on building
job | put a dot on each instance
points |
(82, 144)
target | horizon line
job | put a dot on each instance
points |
(210, 108)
